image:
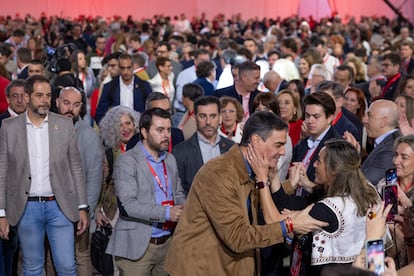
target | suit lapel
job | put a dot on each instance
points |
(53, 137)
(142, 160)
(197, 152)
(22, 139)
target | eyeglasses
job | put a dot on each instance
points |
(230, 111)
(18, 96)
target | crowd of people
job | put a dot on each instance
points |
(210, 147)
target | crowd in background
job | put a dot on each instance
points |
(352, 70)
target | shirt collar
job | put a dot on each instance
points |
(382, 137)
(121, 81)
(204, 140)
(46, 119)
(12, 113)
(315, 142)
(149, 157)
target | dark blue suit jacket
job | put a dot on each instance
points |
(208, 87)
(300, 150)
(355, 121)
(190, 160)
(111, 96)
(24, 74)
(344, 124)
(4, 115)
(231, 92)
(380, 159)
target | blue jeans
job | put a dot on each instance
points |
(40, 218)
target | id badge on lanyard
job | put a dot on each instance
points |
(168, 225)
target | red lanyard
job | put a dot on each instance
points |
(229, 133)
(158, 179)
(166, 93)
(337, 118)
(306, 164)
(189, 115)
(122, 147)
(390, 82)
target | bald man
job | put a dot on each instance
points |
(273, 82)
(381, 123)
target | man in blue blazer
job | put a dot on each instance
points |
(245, 85)
(127, 90)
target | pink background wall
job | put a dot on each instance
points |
(248, 8)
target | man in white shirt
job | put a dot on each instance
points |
(186, 76)
(127, 90)
(329, 60)
(42, 184)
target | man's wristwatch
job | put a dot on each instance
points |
(86, 209)
(261, 184)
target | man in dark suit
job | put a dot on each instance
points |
(382, 125)
(340, 122)
(274, 82)
(17, 99)
(159, 100)
(24, 57)
(407, 60)
(42, 185)
(205, 144)
(127, 90)
(319, 113)
(391, 64)
(244, 87)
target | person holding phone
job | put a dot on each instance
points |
(404, 170)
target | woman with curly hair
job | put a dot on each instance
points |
(357, 66)
(117, 127)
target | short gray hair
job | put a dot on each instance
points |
(109, 125)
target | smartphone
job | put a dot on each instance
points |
(390, 193)
(375, 256)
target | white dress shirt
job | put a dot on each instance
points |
(126, 93)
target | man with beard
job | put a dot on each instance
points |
(42, 185)
(70, 104)
(150, 199)
(205, 144)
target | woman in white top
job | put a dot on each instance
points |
(163, 81)
(231, 116)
